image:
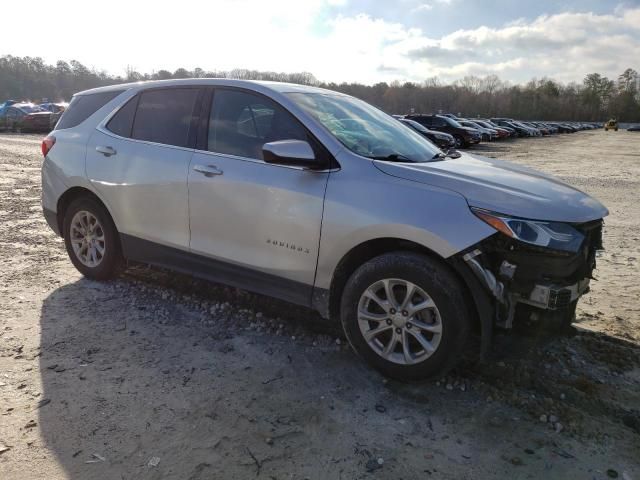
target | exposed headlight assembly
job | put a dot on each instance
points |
(555, 235)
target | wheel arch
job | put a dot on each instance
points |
(328, 303)
(69, 196)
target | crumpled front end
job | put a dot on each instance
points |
(527, 281)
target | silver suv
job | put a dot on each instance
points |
(322, 200)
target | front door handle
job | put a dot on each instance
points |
(106, 151)
(208, 170)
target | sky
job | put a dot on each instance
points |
(364, 41)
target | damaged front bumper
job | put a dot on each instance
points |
(525, 280)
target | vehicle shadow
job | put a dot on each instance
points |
(138, 384)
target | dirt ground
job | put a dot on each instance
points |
(158, 376)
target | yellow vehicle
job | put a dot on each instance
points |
(611, 125)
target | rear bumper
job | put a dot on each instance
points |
(52, 220)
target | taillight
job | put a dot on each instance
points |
(48, 142)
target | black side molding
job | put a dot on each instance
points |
(144, 251)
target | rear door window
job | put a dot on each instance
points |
(83, 106)
(242, 122)
(164, 116)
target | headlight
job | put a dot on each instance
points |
(555, 235)
(441, 137)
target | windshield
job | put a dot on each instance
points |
(452, 122)
(416, 125)
(364, 129)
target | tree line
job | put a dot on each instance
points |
(595, 99)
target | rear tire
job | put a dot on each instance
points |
(385, 328)
(91, 239)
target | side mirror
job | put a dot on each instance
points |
(297, 153)
(453, 153)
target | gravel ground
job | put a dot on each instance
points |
(157, 375)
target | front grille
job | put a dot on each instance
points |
(559, 299)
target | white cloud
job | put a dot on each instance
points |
(423, 7)
(565, 46)
(294, 35)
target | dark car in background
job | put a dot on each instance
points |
(464, 136)
(520, 130)
(25, 117)
(444, 141)
(510, 130)
(56, 109)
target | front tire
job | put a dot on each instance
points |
(92, 240)
(460, 142)
(406, 315)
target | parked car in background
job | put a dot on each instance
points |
(521, 130)
(6, 104)
(451, 115)
(464, 136)
(539, 130)
(351, 213)
(551, 129)
(634, 128)
(563, 128)
(444, 141)
(56, 109)
(512, 132)
(501, 132)
(25, 117)
(487, 134)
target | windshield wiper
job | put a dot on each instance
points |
(393, 157)
(438, 155)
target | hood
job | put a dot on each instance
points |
(503, 187)
(469, 129)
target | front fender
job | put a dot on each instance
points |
(362, 204)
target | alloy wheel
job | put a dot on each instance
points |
(87, 238)
(399, 321)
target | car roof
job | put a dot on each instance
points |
(23, 104)
(280, 87)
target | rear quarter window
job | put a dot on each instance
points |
(83, 106)
(122, 122)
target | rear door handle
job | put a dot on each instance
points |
(208, 170)
(106, 151)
